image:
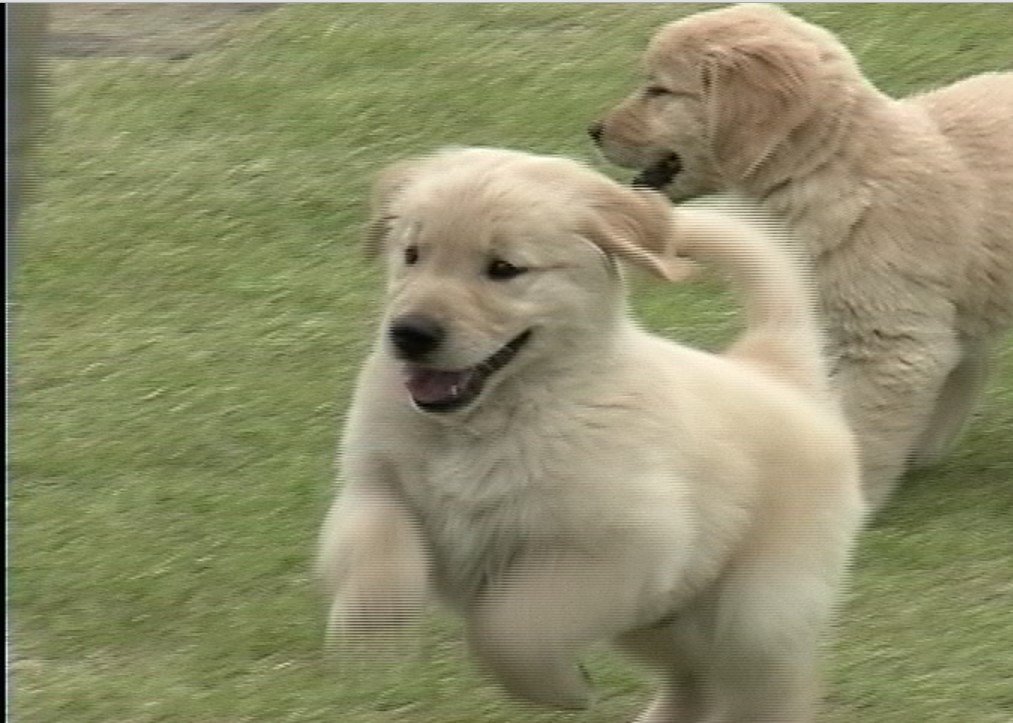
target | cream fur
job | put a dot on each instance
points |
(697, 509)
(904, 206)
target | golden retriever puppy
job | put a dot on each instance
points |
(518, 445)
(904, 206)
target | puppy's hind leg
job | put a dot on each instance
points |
(528, 628)
(954, 405)
(768, 688)
(672, 704)
(765, 664)
(773, 608)
(683, 696)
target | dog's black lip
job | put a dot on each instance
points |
(483, 370)
(660, 173)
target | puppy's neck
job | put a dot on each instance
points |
(824, 159)
(808, 148)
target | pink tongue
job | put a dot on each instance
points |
(431, 385)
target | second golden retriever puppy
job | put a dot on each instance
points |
(904, 206)
(518, 445)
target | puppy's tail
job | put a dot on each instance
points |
(782, 336)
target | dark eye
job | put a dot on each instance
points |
(411, 255)
(653, 91)
(500, 270)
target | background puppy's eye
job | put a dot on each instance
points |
(411, 255)
(653, 91)
(500, 270)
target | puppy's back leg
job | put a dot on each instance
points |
(764, 666)
(774, 606)
(672, 650)
(528, 628)
(768, 688)
(957, 399)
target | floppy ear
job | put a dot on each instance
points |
(637, 226)
(755, 93)
(388, 185)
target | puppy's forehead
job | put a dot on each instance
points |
(671, 53)
(478, 209)
(729, 26)
(695, 33)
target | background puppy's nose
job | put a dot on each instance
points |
(414, 336)
(595, 130)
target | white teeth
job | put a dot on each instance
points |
(454, 389)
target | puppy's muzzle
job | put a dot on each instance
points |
(660, 173)
(415, 336)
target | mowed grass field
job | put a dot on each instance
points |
(190, 309)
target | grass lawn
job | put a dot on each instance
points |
(190, 308)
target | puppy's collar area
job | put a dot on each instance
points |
(442, 390)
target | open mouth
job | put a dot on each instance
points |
(659, 174)
(442, 390)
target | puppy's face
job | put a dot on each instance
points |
(724, 90)
(660, 130)
(498, 262)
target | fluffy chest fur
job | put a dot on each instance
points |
(568, 468)
(546, 481)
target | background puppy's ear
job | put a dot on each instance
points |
(755, 93)
(388, 185)
(637, 226)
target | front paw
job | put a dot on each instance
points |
(374, 589)
(361, 611)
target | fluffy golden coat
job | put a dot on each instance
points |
(905, 206)
(558, 476)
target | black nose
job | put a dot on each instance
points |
(595, 130)
(414, 336)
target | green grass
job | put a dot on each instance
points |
(191, 305)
